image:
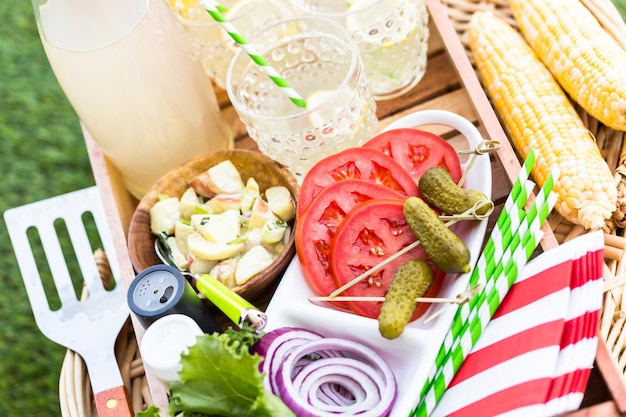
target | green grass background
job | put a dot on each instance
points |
(42, 154)
(621, 7)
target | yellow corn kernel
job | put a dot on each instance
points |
(586, 61)
(538, 115)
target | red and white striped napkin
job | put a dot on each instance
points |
(535, 356)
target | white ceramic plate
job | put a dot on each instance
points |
(412, 354)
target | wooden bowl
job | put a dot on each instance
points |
(266, 172)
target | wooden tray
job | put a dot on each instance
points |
(450, 83)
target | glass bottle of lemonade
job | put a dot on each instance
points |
(127, 70)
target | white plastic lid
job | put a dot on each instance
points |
(164, 342)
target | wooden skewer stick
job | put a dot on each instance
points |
(468, 214)
(462, 298)
(335, 294)
(486, 146)
(467, 295)
(472, 214)
(375, 299)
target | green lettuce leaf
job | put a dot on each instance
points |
(219, 378)
(152, 411)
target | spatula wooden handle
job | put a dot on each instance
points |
(113, 402)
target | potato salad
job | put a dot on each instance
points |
(223, 226)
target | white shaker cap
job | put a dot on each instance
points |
(164, 342)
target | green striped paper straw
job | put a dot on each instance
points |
(436, 390)
(463, 314)
(486, 273)
(479, 318)
(506, 224)
(475, 317)
(214, 9)
(503, 230)
(483, 274)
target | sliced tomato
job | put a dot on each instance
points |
(366, 164)
(370, 233)
(417, 150)
(317, 226)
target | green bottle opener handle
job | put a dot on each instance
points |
(234, 306)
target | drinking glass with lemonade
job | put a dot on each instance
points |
(392, 36)
(210, 43)
(319, 60)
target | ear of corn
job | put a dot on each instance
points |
(586, 61)
(538, 115)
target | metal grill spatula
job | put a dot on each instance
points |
(89, 326)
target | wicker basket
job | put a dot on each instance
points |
(75, 393)
(612, 147)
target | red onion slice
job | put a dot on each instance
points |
(277, 344)
(335, 394)
(355, 377)
(363, 378)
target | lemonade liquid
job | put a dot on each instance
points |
(128, 73)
